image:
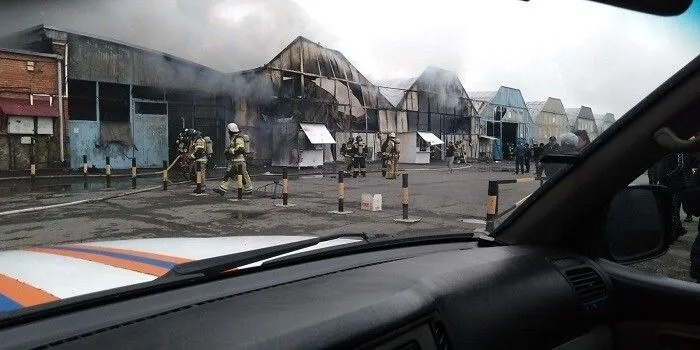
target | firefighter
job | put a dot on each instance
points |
(359, 159)
(182, 143)
(459, 151)
(382, 153)
(347, 150)
(198, 153)
(236, 155)
(391, 154)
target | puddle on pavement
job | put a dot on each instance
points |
(242, 215)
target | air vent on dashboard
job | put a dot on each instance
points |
(588, 284)
(440, 333)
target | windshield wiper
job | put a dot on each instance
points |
(219, 264)
(388, 242)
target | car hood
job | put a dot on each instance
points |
(43, 274)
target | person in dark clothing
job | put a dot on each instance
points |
(675, 172)
(583, 138)
(693, 164)
(537, 156)
(528, 157)
(450, 155)
(550, 148)
(695, 257)
(520, 158)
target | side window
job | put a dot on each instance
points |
(678, 172)
(421, 144)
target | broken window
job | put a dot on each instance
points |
(184, 96)
(151, 108)
(148, 93)
(372, 120)
(114, 102)
(499, 112)
(82, 102)
(356, 90)
(291, 85)
(412, 121)
(421, 144)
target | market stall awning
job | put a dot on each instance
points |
(23, 108)
(317, 134)
(487, 137)
(430, 138)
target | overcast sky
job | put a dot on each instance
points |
(579, 51)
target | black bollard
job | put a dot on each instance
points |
(133, 173)
(404, 196)
(32, 169)
(285, 187)
(165, 175)
(85, 172)
(491, 205)
(198, 167)
(341, 191)
(108, 172)
(239, 181)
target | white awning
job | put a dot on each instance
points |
(317, 133)
(487, 137)
(430, 138)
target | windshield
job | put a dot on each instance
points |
(135, 137)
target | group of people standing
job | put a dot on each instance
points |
(198, 148)
(354, 152)
(679, 173)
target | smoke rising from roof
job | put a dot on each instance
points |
(227, 35)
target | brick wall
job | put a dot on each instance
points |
(17, 82)
(15, 76)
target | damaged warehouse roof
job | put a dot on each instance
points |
(305, 70)
(441, 85)
(117, 62)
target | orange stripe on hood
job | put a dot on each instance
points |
(172, 259)
(23, 293)
(106, 260)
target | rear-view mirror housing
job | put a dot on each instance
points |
(636, 225)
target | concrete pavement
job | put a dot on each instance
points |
(437, 196)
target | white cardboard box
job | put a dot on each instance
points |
(371, 202)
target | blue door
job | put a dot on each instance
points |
(150, 140)
(497, 150)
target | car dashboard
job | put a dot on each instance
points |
(440, 296)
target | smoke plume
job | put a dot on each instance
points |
(227, 35)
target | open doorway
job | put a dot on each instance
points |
(508, 138)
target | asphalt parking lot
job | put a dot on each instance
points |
(437, 197)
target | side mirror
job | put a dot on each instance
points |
(637, 225)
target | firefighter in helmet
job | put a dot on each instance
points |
(347, 150)
(198, 153)
(235, 153)
(391, 154)
(359, 159)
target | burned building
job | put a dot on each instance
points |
(310, 84)
(125, 101)
(436, 103)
